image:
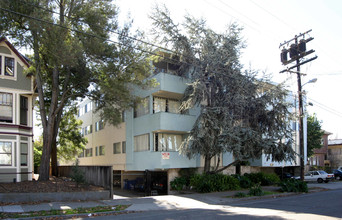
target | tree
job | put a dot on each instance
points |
(239, 114)
(72, 50)
(70, 142)
(37, 152)
(314, 134)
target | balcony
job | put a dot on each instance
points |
(163, 121)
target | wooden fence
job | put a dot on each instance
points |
(94, 175)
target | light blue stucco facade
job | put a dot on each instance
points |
(169, 86)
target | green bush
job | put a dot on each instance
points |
(271, 179)
(293, 185)
(178, 183)
(244, 181)
(77, 174)
(265, 179)
(213, 182)
(256, 190)
(187, 173)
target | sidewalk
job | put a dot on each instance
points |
(181, 201)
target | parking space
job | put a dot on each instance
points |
(330, 185)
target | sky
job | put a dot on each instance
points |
(267, 23)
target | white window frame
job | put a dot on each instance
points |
(27, 155)
(13, 107)
(12, 155)
(2, 73)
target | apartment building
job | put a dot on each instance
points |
(16, 117)
(145, 145)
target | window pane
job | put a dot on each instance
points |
(124, 147)
(9, 66)
(23, 160)
(142, 108)
(6, 147)
(117, 148)
(168, 142)
(173, 106)
(101, 150)
(5, 153)
(23, 110)
(159, 105)
(6, 104)
(141, 142)
(23, 148)
(6, 159)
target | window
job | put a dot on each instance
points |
(165, 105)
(82, 132)
(117, 148)
(124, 147)
(99, 125)
(142, 108)
(9, 66)
(23, 154)
(96, 151)
(88, 107)
(6, 107)
(88, 129)
(159, 105)
(89, 152)
(102, 150)
(23, 110)
(81, 154)
(167, 142)
(5, 153)
(142, 142)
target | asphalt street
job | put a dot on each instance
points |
(319, 205)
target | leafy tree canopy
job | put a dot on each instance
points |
(314, 134)
(239, 114)
(75, 44)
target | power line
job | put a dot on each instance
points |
(95, 36)
(276, 17)
(231, 15)
(326, 108)
(114, 32)
(238, 12)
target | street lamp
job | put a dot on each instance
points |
(301, 125)
(310, 81)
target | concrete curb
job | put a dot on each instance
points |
(54, 197)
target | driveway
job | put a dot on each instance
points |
(330, 185)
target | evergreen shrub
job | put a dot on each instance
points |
(293, 185)
(205, 183)
(178, 183)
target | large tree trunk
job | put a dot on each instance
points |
(44, 170)
(54, 167)
(207, 160)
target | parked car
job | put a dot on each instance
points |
(340, 168)
(286, 176)
(318, 175)
(337, 174)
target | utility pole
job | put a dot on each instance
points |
(297, 53)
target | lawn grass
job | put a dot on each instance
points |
(91, 210)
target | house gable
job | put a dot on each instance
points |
(19, 80)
